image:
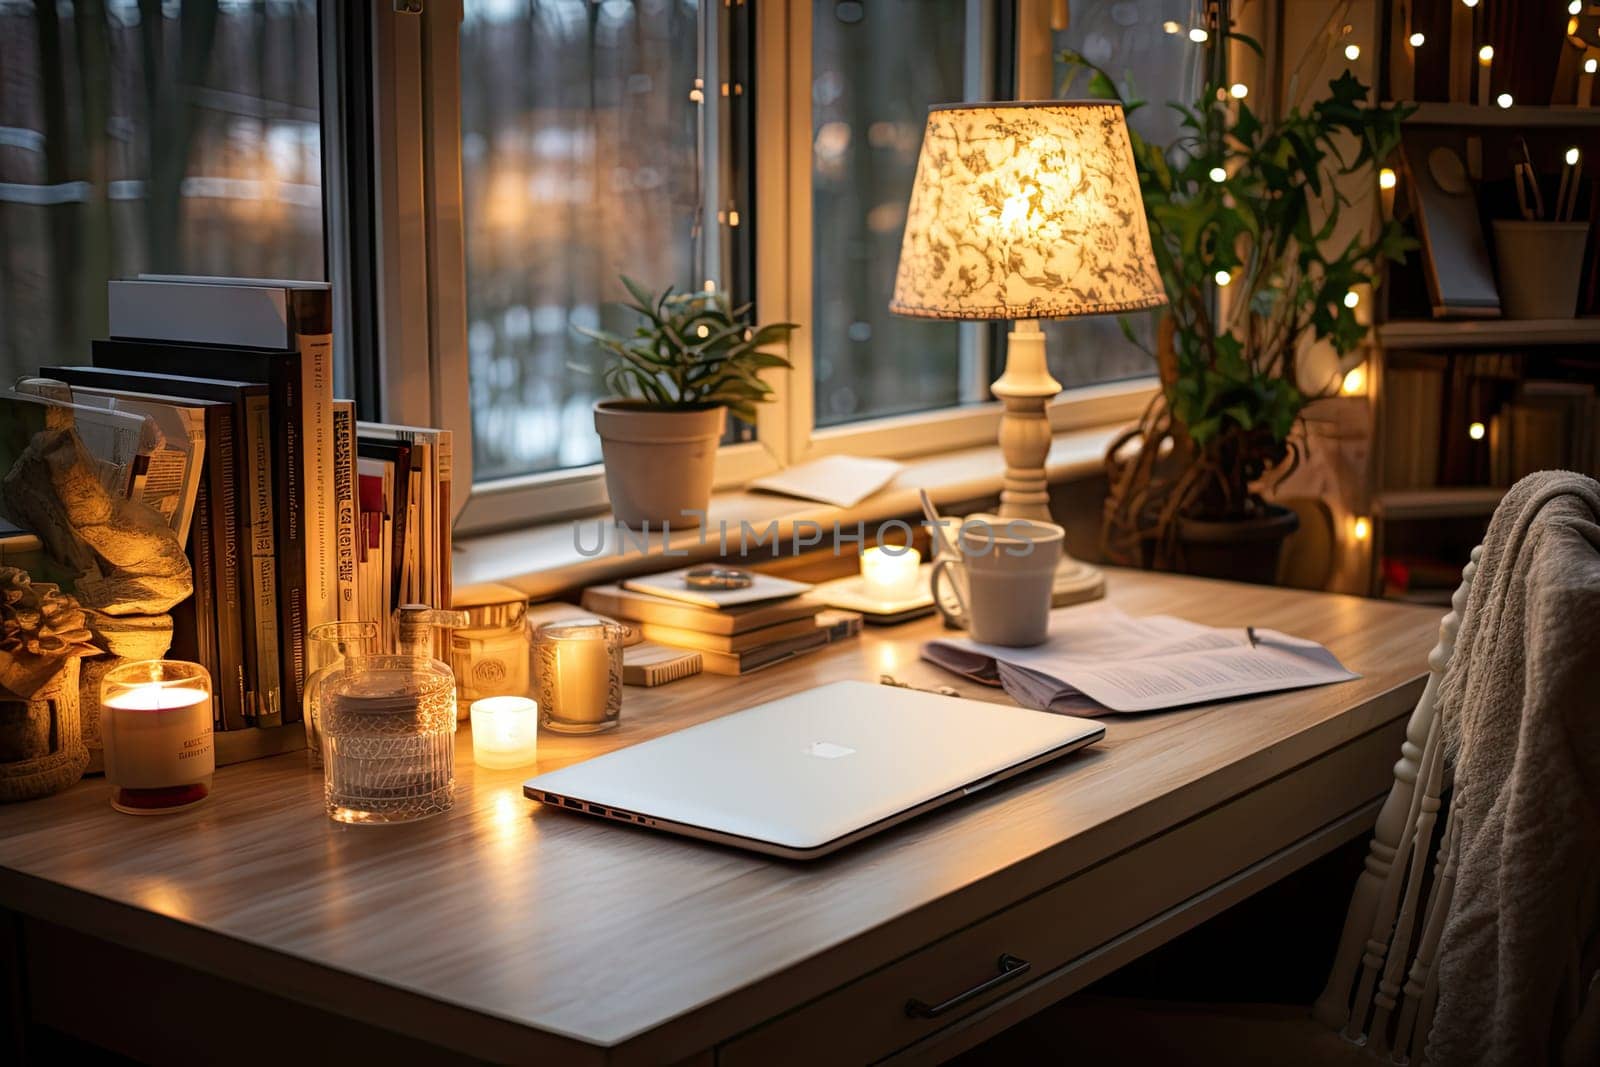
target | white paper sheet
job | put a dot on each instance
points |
(1099, 658)
(843, 481)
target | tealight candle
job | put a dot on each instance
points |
(505, 732)
(890, 576)
(155, 724)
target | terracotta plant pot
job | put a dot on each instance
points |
(659, 464)
(1244, 550)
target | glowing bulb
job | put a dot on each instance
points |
(1386, 179)
(703, 330)
(1352, 298)
(1219, 175)
(1572, 157)
(1475, 431)
(1469, 3)
(1361, 529)
(1223, 277)
(1485, 54)
(1417, 40)
(1504, 100)
(1575, 8)
(1352, 52)
(710, 286)
(1239, 90)
(1589, 65)
(1198, 36)
(1171, 27)
(1355, 381)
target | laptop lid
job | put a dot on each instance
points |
(808, 773)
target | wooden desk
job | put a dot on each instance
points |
(253, 927)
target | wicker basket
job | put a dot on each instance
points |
(42, 739)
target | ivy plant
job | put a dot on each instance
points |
(691, 351)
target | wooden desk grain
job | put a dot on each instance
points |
(506, 931)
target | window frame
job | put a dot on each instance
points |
(420, 270)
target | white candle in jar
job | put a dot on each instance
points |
(890, 575)
(157, 737)
(505, 732)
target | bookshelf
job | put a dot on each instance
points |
(1425, 528)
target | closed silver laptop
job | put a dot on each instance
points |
(810, 773)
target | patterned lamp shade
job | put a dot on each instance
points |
(1026, 211)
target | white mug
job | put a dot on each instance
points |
(1002, 584)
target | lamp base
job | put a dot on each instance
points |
(1076, 583)
(1026, 389)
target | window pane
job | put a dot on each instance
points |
(1127, 40)
(579, 163)
(876, 67)
(187, 141)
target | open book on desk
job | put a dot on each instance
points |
(1101, 659)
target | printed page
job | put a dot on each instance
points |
(1099, 655)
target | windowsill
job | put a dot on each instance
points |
(544, 561)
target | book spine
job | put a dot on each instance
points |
(313, 319)
(255, 465)
(232, 683)
(445, 462)
(289, 500)
(194, 626)
(344, 498)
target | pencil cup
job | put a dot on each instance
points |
(1538, 265)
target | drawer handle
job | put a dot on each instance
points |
(1011, 967)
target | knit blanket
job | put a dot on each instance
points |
(1520, 707)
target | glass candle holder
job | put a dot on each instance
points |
(155, 723)
(890, 576)
(578, 664)
(505, 732)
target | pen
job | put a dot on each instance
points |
(1250, 632)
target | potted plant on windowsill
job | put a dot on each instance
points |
(1252, 205)
(693, 359)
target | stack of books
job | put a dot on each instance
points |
(735, 631)
(298, 515)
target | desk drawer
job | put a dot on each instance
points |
(1012, 950)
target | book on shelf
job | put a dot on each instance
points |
(631, 606)
(252, 446)
(403, 514)
(280, 370)
(1412, 423)
(273, 315)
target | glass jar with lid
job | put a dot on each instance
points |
(491, 653)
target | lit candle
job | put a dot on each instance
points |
(1387, 180)
(155, 723)
(1485, 59)
(1586, 80)
(890, 576)
(578, 665)
(505, 732)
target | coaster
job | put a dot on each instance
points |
(851, 594)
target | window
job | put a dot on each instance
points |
(173, 137)
(586, 131)
(1129, 41)
(876, 68)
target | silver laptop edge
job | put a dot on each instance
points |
(739, 779)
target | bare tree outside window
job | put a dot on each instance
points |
(141, 135)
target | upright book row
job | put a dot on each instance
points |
(294, 514)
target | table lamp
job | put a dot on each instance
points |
(1027, 211)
